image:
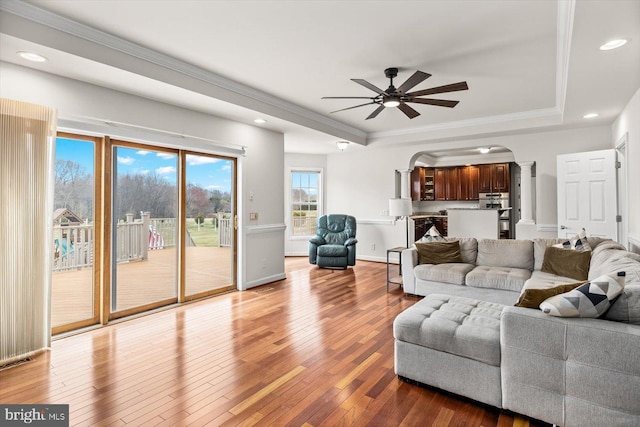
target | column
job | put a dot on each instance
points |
(526, 196)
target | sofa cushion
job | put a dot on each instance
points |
(438, 252)
(591, 299)
(542, 280)
(453, 273)
(511, 279)
(505, 253)
(462, 326)
(468, 248)
(539, 247)
(567, 262)
(626, 308)
(332, 250)
(610, 258)
(532, 298)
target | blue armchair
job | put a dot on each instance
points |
(334, 245)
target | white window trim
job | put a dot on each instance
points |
(320, 205)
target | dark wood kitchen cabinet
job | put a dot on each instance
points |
(494, 178)
(447, 183)
(422, 183)
(469, 177)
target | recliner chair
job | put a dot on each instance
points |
(334, 245)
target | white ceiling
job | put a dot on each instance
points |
(529, 64)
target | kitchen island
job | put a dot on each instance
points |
(478, 223)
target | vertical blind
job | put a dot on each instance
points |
(27, 143)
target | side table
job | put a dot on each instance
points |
(395, 279)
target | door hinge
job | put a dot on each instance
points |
(618, 218)
(618, 165)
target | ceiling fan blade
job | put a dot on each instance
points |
(355, 106)
(376, 112)
(453, 87)
(410, 112)
(369, 86)
(438, 102)
(348, 97)
(417, 78)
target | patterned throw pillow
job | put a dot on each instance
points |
(578, 242)
(432, 235)
(589, 300)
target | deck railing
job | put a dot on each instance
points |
(134, 238)
(225, 230)
(304, 225)
(73, 246)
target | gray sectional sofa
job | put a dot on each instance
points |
(467, 337)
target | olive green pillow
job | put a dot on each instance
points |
(438, 252)
(532, 298)
(566, 262)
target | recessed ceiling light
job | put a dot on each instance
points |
(590, 116)
(613, 44)
(485, 150)
(260, 121)
(30, 56)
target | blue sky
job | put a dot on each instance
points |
(207, 172)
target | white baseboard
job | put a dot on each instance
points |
(547, 228)
(265, 280)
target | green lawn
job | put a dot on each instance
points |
(208, 234)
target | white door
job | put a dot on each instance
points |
(587, 195)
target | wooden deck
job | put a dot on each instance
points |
(315, 349)
(141, 282)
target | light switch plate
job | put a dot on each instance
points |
(253, 216)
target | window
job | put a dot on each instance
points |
(305, 201)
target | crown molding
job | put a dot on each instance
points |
(566, 10)
(544, 113)
(49, 19)
(283, 109)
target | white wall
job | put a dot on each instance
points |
(629, 123)
(360, 182)
(298, 246)
(261, 243)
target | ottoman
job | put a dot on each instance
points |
(452, 343)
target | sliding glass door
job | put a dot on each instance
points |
(76, 233)
(144, 228)
(137, 227)
(210, 220)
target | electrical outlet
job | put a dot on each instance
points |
(385, 212)
(372, 247)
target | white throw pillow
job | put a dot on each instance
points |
(591, 299)
(578, 242)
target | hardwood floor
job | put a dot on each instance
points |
(315, 349)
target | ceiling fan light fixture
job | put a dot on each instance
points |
(613, 44)
(342, 145)
(390, 103)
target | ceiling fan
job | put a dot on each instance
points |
(398, 97)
